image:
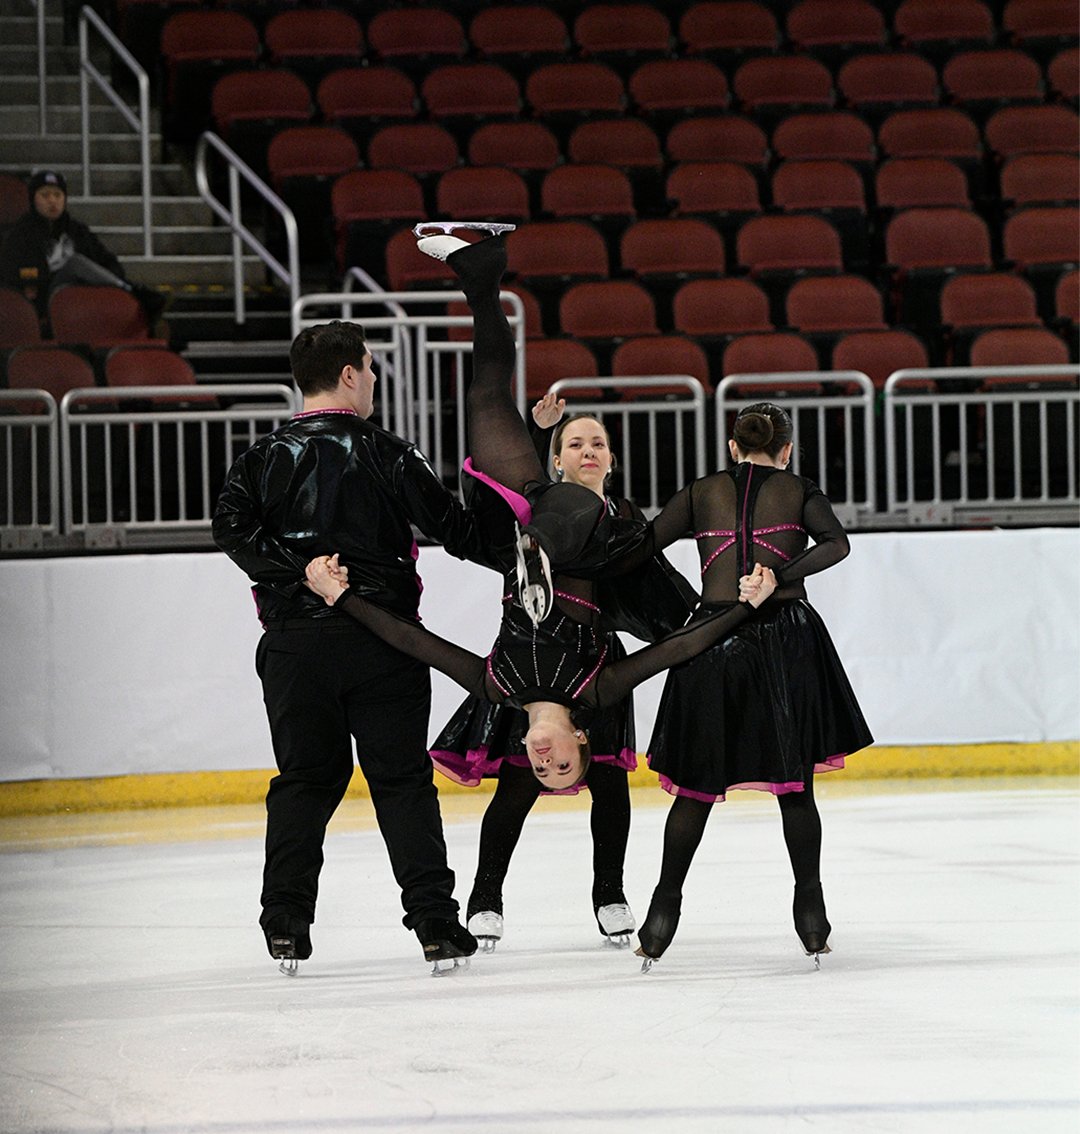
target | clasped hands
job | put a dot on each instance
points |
(327, 577)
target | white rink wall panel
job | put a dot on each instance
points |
(144, 663)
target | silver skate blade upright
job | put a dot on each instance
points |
(445, 966)
(290, 966)
(647, 964)
(487, 944)
(428, 228)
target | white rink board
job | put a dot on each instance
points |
(144, 663)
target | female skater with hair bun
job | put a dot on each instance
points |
(771, 704)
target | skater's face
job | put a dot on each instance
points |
(360, 383)
(554, 751)
(50, 202)
(584, 455)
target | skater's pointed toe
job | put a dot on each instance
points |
(658, 930)
(811, 924)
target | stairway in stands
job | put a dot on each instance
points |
(191, 259)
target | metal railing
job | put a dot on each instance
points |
(39, 11)
(963, 454)
(29, 465)
(139, 122)
(237, 168)
(835, 439)
(408, 335)
(657, 453)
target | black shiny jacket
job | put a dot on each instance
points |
(331, 482)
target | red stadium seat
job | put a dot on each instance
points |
(944, 132)
(724, 137)
(1067, 297)
(313, 41)
(882, 82)
(367, 205)
(622, 34)
(601, 193)
(721, 308)
(783, 83)
(56, 370)
(836, 135)
(573, 90)
(607, 309)
(776, 353)
(683, 246)
(931, 26)
(1043, 236)
(986, 79)
(629, 143)
(712, 187)
(19, 323)
(1033, 130)
(361, 99)
(877, 354)
(417, 147)
(829, 25)
(788, 244)
(416, 39)
(482, 193)
(547, 361)
(730, 28)
(904, 183)
(1063, 74)
(1019, 346)
(830, 304)
(98, 317)
(519, 36)
(472, 91)
(970, 303)
(557, 251)
(1036, 179)
(528, 147)
(659, 355)
(675, 88)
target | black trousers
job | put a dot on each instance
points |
(323, 687)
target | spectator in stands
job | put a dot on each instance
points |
(47, 248)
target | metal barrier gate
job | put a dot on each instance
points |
(127, 467)
(1004, 454)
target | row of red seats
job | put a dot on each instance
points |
(874, 353)
(635, 30)
(60, 369)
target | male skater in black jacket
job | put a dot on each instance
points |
(327, 482)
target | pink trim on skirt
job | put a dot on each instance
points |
(829, 764)
(521, 507)
(474, 766)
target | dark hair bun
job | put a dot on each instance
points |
(753, 431)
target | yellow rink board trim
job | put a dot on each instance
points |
(203, 789)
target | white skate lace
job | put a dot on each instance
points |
(616, 918)
(486, 923)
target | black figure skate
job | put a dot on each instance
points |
(811, 924)
(447, 944)
(434, 237)
(289, 941)
(660, 924)
(616, 923)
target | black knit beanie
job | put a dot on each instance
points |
(45, 177)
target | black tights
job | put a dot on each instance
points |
(686, 824)
(515, 794)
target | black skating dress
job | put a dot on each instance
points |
(649, 602)
(771, 704)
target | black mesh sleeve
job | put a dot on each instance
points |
(616, 680)
(462, 666)
(830, 544)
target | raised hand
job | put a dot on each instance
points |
(548, 411)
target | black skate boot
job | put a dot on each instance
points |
(289, 941)
(659, 928)
(447, 944)
(811, 924)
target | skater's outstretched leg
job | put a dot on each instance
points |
(682, 834)
(515, 794)
(802, 834)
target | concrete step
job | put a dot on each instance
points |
(175, 271)
(21, 30)
(127, 210)
(111, 179)
(22, 59)
(60, 119)
(60, 90)
(179, 240)
(55, 149)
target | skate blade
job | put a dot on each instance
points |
(487, 944)
(619, 940)
(430, 228)
(647, 962)
(445, 966)
(290, 966)
(818, 955)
